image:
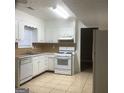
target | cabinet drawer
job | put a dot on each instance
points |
(25, 61)
(35, 58)
(41, 57)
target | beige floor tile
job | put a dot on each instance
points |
(49, 85)
(73, 92)
(57, 91)
(56, 83)
(87, 90)
(68, 80)
(46, 80)
(39, 83)
(74, 89)
(40, 89)
(62, 87)
(88, 86)
(55, 80)
(77, 84)
(65, 83)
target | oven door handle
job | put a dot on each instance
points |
(63, 57)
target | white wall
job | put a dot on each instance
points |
(31, 21)
(78, 27)
(100, 62)
(55, 29)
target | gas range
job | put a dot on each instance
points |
(63, 55)
(63, 63)
(65, 51)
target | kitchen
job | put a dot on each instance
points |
(47, 47)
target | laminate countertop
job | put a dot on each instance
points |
(34, 54)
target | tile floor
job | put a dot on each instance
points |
(54, 83)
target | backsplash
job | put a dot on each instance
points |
(37, 47)
(42, 47)
(20, 51)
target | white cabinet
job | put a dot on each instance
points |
(35, 61)
(46, 62)
(35, 68)
(51, 61)
(40, 67)
(41, 64)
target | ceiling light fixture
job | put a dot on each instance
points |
(60, 11)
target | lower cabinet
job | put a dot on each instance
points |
(46, 63)
(35, 62)
(51, 63)
(32, 66)
(42, 63)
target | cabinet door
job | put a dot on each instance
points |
(46, 63)
(41, 64)
(16, 31)
(51, 63)
(21, 31)
(35, 68)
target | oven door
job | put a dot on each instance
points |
(63, 63)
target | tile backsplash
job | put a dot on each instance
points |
(36, 48)
(42, 47)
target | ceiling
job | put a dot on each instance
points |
(40, 8)
(93, 13)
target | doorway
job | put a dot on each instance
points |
(86, 49)
(94, 58)
(86, 58)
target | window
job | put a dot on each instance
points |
(30, 35)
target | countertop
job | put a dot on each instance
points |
(34, 54)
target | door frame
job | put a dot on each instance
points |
(93, 55)
(96, 46)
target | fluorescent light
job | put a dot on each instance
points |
(60, 11)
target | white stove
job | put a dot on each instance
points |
(63, 63)
(63, 55)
